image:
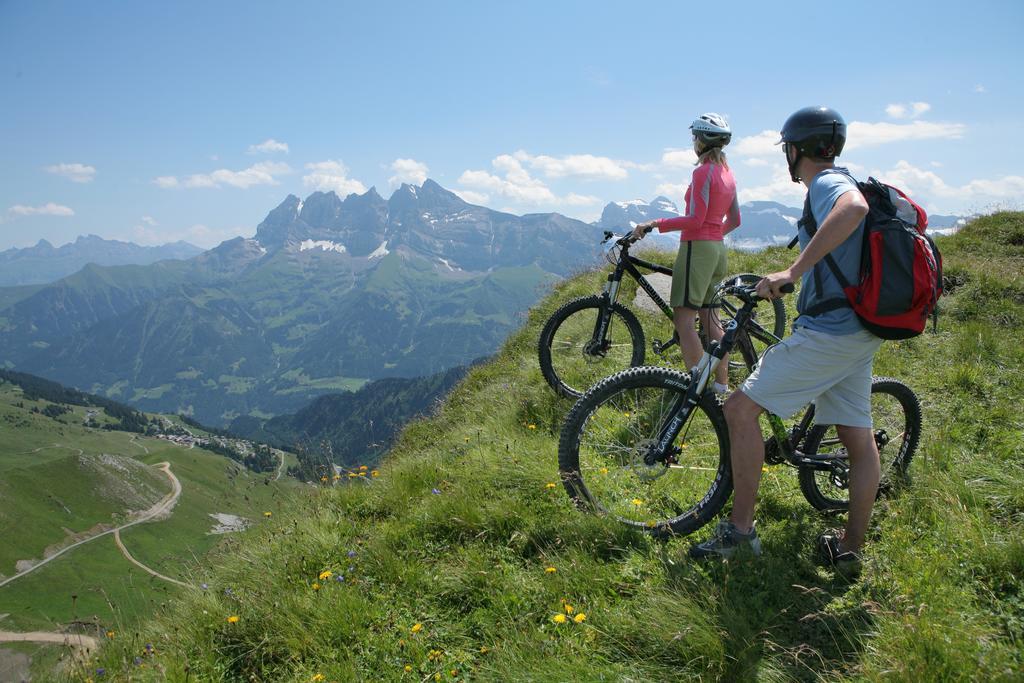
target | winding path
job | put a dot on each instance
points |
(76, 640)
(162, 506)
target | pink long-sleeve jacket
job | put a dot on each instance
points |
(712, 208)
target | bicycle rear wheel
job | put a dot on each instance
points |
(896, 418)
(767, 323)
(608, 432)
(572, 361)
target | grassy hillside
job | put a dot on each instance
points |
(454, 561)
(62, 481)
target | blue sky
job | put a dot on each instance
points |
(154, 122)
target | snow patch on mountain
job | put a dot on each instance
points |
(380, 251)
(325, 245)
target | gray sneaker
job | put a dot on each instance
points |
(846, 563)
(726, 542)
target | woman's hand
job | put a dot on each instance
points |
(642, 229)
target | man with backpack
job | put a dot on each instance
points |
(828, 358)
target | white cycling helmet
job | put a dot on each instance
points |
(712, 130)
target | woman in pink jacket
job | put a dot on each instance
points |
(712, 211)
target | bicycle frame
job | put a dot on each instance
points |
(788, 441)
(631, 265)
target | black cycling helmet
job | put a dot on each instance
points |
(818, 132)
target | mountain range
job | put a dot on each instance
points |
(329, 293)
(763, 223)
(44, 263)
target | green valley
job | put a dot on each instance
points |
(101, 525)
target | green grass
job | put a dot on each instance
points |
(941, 597)
(45, 492)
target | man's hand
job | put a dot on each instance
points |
(769, 285)
(642, 229)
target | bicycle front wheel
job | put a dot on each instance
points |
(896, 418)
(572, 360)
(601, 453)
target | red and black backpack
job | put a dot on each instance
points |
(900, 266)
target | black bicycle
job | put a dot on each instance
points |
(592, 337)
(650, 445)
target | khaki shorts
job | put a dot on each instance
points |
(700, 266)
(833, 371)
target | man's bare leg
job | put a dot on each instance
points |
(747, 457)
(865, 473)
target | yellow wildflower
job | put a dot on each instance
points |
(603, 470)
(569, 609)
(336, 476)
(454, 672)
(558, 618)
(580, 618)
(416, 628)
(375, 473)
(437, 676)
(318, 677)
(550, 570)
(637, 501)
(110, 634)
(549, 485)
(325, 574)
(233, 619)
(324, 479)
(351, 475)
(484, 649)
(268, 514)
(408, 668)
(531, 426)
(363, 468)
(362, 474)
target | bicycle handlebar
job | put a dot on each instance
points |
(749, 295)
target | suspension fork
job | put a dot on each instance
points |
(603, 322)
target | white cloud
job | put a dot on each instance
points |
(756, 161)
(473, 197)
(585, 166)
(861, 134)
(331, 176)
(408, 171)
(671, 189)
(76, 173)
(911, 110)
(148, 220)
(517, 184)
(780, 188)
(48, 209)
(678, 158)
(263, 173)
(269, 146)
(573, 199)
(980, 88)
(929, 188)
(761, 145)
(513, 182)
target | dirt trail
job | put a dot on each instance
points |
(162, 506)
(76, 640)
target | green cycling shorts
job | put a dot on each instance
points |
(700, 266)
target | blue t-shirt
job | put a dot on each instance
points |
(826, 188)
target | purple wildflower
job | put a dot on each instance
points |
(436, 492)
(339, 577)
(204, 586)
(149, 648)
(228, 591)
(138, 661)
(351, 553)
(100, 672)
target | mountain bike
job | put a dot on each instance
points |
(650, 445)
(592, 337)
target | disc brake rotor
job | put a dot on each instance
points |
(639, 465)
